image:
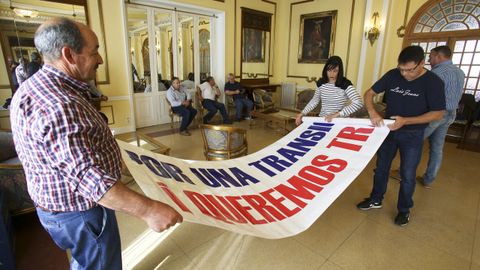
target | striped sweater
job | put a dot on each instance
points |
(334, 99)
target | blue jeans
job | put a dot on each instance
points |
(187, 114)
(241, 103)
(410, 144)
(212, 107)
(436, 132)
(92, 236)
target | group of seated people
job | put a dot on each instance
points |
(181, 101)
(337, 95)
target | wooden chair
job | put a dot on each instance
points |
(199, 99)
(465, 114)
(230, 104)
(223, 142)
(262, 99)
(303, 98)
(12, 177)
(172, 114)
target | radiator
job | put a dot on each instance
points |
(288, 94)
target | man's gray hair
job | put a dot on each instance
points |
(51, 37)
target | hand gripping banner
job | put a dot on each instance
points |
(276, 192)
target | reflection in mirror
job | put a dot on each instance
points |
(139, 49)
(185, 46)
(256, 31)
(18, 23)
(164, 56)
(204, 42)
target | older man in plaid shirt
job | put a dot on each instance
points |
(71, 160)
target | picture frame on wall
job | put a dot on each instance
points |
(253, 45)
(317, 36)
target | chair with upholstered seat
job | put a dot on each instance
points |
(303, 98)
(172, 114)
(223, 142)
(262, 99)
(12, 177)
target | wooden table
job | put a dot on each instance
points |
(159, 147)
(280, 116)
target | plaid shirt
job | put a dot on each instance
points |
(68, 153)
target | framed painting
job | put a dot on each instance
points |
(317, 36)
(253, 45)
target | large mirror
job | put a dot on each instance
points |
(256, 36)
(18, 23)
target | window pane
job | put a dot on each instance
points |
(472, 83)
(442, 43)
(470, 46)
(469, 92)
(478, 47)
(474, 71)
(472, 22)
(476, 59)
(459, 46)
(431, 45)
(477, 96)
(423, 45)
(456, 58)
(467, 58)
(465, 69)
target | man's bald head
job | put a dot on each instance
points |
(57, 33)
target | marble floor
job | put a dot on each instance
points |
(443, 233)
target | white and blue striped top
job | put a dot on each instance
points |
(453, 78)
(334, 99)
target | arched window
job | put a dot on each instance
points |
(455, 23)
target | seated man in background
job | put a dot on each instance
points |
(181, 103)
(209, 94)
(234, 89)
(190, 82)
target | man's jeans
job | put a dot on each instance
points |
(92, 236)
(409, 143)
(187, 114)
(212, 107)
(436, 133)
(241, 103)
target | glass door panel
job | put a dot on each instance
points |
(204, 32)
(185, 60)
(163, 47)
(139, 49)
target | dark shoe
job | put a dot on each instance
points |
(185, 133)
(395, 174)
(420, 180)
(368, 204)
(402, 219)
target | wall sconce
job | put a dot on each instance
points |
(373, 33)
(25, 13)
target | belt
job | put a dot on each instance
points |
(45, 209)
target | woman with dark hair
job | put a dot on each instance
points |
(334, 90)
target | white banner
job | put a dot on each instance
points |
(276, 192)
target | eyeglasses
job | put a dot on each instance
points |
(402, 70)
